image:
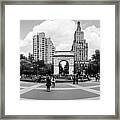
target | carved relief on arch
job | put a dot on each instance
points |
(69, 59)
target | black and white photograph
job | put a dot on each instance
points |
(60, 59)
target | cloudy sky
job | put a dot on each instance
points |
(61, 33)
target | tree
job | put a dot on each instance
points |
(49, 68)
(94, 63)
(22, 57)
(40, 63)
(96, 57)
(30, 57)
(26, 67)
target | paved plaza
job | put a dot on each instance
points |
(62, 91)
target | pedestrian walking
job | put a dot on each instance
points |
(53, 81)
(39, 79)
(48, 83)
(88, 77)
(77, 79)
(97, 77)
(73, 79)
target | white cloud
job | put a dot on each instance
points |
(92, 36)
(64, 47)
(60, 31)
(27, 40)
(26, 44)
(62, 35)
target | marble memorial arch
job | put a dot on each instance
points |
(63, 56)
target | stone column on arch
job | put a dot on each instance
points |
(56, 66)
(71, 66)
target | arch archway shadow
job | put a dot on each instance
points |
(63, 67)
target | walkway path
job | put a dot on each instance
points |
(62, 91)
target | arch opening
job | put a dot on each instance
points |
(63, 68)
